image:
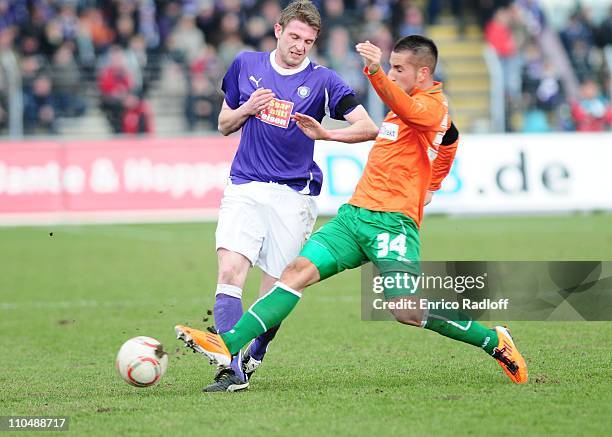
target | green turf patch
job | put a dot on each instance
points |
(68, 301)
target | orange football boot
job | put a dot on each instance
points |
(208, 343)
(509, 358)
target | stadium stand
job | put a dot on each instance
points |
(96, 68)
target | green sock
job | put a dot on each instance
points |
(460, 327)
(267, 312)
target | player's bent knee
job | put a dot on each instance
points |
(300, 273)
(408, 317)
(233, 267)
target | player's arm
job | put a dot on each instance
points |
(362, 127)
(424, 112)
(231, 120)
(444, 161)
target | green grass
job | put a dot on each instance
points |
(68, 301)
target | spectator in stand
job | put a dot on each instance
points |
(592, 111)
(186, 40)
(31, 67)
(373, 17)
(68, 20)
(137, 117)
(137, 62)
(578, 38)
(345, 61)
(39, 106)
(125, 28)
(256, 30)
(542, 92)
(66, 79)
(93, 24)
(147, 26)
(231, 45)
(3, 101)
(116, 85)
(604, 32)
(435, 6)
(169, 17)
(521, 33)
(412, 22)
(267, 44)
(201, 102)
(334, 14)
(577, 29)
(498, 34)
(532, 16)
(270, 11)
(13, 13)
(203, 97)
(53, 37)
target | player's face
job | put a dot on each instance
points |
(404, 72)
(294, 42)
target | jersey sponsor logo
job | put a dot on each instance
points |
(278, 113)
(388, 131)
(303, 91)
(255, 81)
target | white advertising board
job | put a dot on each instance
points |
(496, 174)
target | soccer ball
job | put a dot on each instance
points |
(141, 361)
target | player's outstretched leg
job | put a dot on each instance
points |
(267, 312)
(496, 342)
(257, 349)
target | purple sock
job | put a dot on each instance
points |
(259, 347)
(227, 311)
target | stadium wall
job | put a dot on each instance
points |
(160, 180)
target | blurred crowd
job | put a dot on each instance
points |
(66, 49)
(536, 98)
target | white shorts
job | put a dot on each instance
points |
(266, 222)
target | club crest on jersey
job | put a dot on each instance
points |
(303, 91)
(388, 131)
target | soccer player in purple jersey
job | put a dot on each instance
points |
(267, 211)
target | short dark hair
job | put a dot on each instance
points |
(301, 10)
(423, 49)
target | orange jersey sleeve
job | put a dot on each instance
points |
(423, 110)
(398, 172)
(442, 165)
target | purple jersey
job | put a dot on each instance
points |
(272, 148)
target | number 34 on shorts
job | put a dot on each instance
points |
(384, 245)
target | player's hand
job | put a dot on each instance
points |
(370, 54)
(311, 127)
(428, 197)
(258, 101)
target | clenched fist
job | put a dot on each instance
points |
(370, 54)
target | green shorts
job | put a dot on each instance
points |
(358, 235)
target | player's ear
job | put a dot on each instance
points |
(278, 29)
(422, 74)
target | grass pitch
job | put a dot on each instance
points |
(69, 300)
